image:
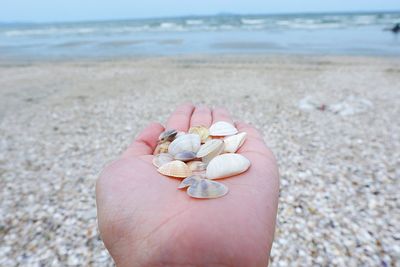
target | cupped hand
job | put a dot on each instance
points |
(144, 220)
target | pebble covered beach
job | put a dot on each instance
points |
(332, 122)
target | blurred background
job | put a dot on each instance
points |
(73, 29)
(320, 79)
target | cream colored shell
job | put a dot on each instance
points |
(201, 131)
(226, 165)
(234, 142)
(222, 128)
(176, 169)
(162, 148)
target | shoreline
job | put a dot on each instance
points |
(207, 56)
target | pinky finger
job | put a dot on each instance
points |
(254, 141)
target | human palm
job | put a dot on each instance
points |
(144, 220)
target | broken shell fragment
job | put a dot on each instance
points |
(207, 189)
(222, 128)
(187, 142)
(175, 168)
(196, 166)
(185, 155)
(234, 142)
(162, 159)
(188, 181)
(162, 148)
(200, 131)
(168, 135)
(210, 147)
(226, 165)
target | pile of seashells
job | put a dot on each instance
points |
(201, 156)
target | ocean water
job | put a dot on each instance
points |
(337, 34)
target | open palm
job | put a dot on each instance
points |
(145, 220)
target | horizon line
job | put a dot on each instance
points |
(202, 15)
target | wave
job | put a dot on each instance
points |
(206, 23)
(194, 22)
(168, 25)
(49, 31)
(253, 21)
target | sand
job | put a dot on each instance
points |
(332, 122)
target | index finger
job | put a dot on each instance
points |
(221, 114)
(180, 118)
(146, 141)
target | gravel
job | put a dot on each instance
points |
(61, 122)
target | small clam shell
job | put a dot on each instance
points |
(207, 158)
(180, 133)
(234, 142)
(207, 189)
(226, 165)
(222, 128)
(185, 156)
(197, 166)
(168, 135)
(188, 181)
(162, 148)
(162, 159)
(175, 168)
(201, 131)
(210, 147)
(210, 156)
(187, 142)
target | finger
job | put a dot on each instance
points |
(180, 118)
(201, 116)
(146, 141)
(221, 114)
(254, 141)
(250, 130)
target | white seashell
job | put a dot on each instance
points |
(196, 166)
(234, 142)
(222, 128)
(188, 181)
(207, 189)
(226, 165)
(162, 159)
(187, 142)
(175, 168)
(209, 147)
(185, 156)
(207, 158)
(180, 133)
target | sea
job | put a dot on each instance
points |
(365, 34)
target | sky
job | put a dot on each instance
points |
(78, 10)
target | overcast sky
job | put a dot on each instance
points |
(72, 10)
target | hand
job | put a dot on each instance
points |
(144, 220)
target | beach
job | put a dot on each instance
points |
(331, 121)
